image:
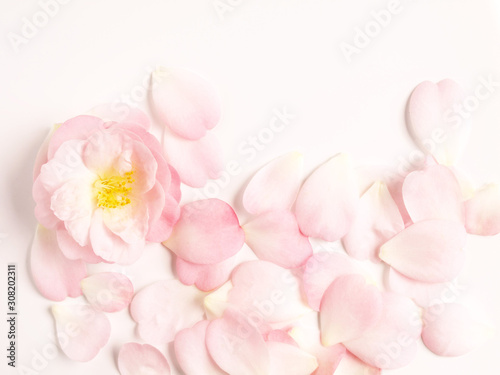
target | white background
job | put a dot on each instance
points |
(262, 55)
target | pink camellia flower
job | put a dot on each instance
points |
(104, 189)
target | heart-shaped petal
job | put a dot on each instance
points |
(483, 211)
(206, 277)
(108, 291)
(137, 359)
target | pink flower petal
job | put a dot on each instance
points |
(192, 353)
(208, 232)
(275, 186)
(329, 359)
(430, 251)
(185, 102)
(55, 276)
(320, 271)
(121, 112)
(377, 221)
(275, 236)
(350, 365)
(195, 161)
(349, 307)
(206, 277)
(266, 293)
(137, 359)
(433, 193)
(43, 213)
(290, 360)
(327, 202)
(432, 122)
(392, 342)
(41, 156)
(81, 330)
(160, 228)
(108, 291)
(237, 346)
(452, 330)
(483, 211)
(164, 308)
(74, 251)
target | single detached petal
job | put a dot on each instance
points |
(392, 342)
(108, 291)
(327, 202)
(206, 277)
(55, 276)
(185, 102)
(451, 329)
(349, 307)
(320, 271)
(191, 351)
(164, 308)
(290, 360)
(195, 161)
(81, 330)
(266, 293)
(278, 335)
(275, 236)
(275, 186)
(350, 365)
(237, 346)
(137, 359)
(430, 251)
(483, 211)
(434, 122)
(377, 221)
(208, 232)
(433, 193)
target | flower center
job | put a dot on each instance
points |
(113, 192)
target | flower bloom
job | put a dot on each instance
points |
(105, 188)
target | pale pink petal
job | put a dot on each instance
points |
(121, 112)
(377, 221)
(81, 330)
(433, 193)
(137, 359)
(109, 246)
(207, 232)
(164, 308)
(392, 342)
(452, 330)
(320, 271)
(329, 359)
(185, 102)
(278, 335)
(72, 250)
(191, 352)
(43, 213)
(349, 307)
(55, 276)
(350, 365)
(206, 277)
(195, 161)
(237, 346)
(175, 186)
(108, 291)
(290, 360)
(41, 156)
(275, 236)
(129, 222)
(327, 202)
(266, 293)
(433, 121)
(275, 186)
(483, 211)
(160, 228)
(430, 251)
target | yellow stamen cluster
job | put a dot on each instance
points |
(113, 192)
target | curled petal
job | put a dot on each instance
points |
(81, 330)
(276, 237)
(158, 318)
(290, 360)
(327, 202)
(185, 102)
(350, 365)
(206, 277)
(377, 221)
(433, 122)
(72, 250)
(430, 251)
(191, 351)
(433, 193)
(137, 359)
(108, 291)
(483, 211)
(349, 307)
(208, 232)
(275, 186)
(55, 276)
